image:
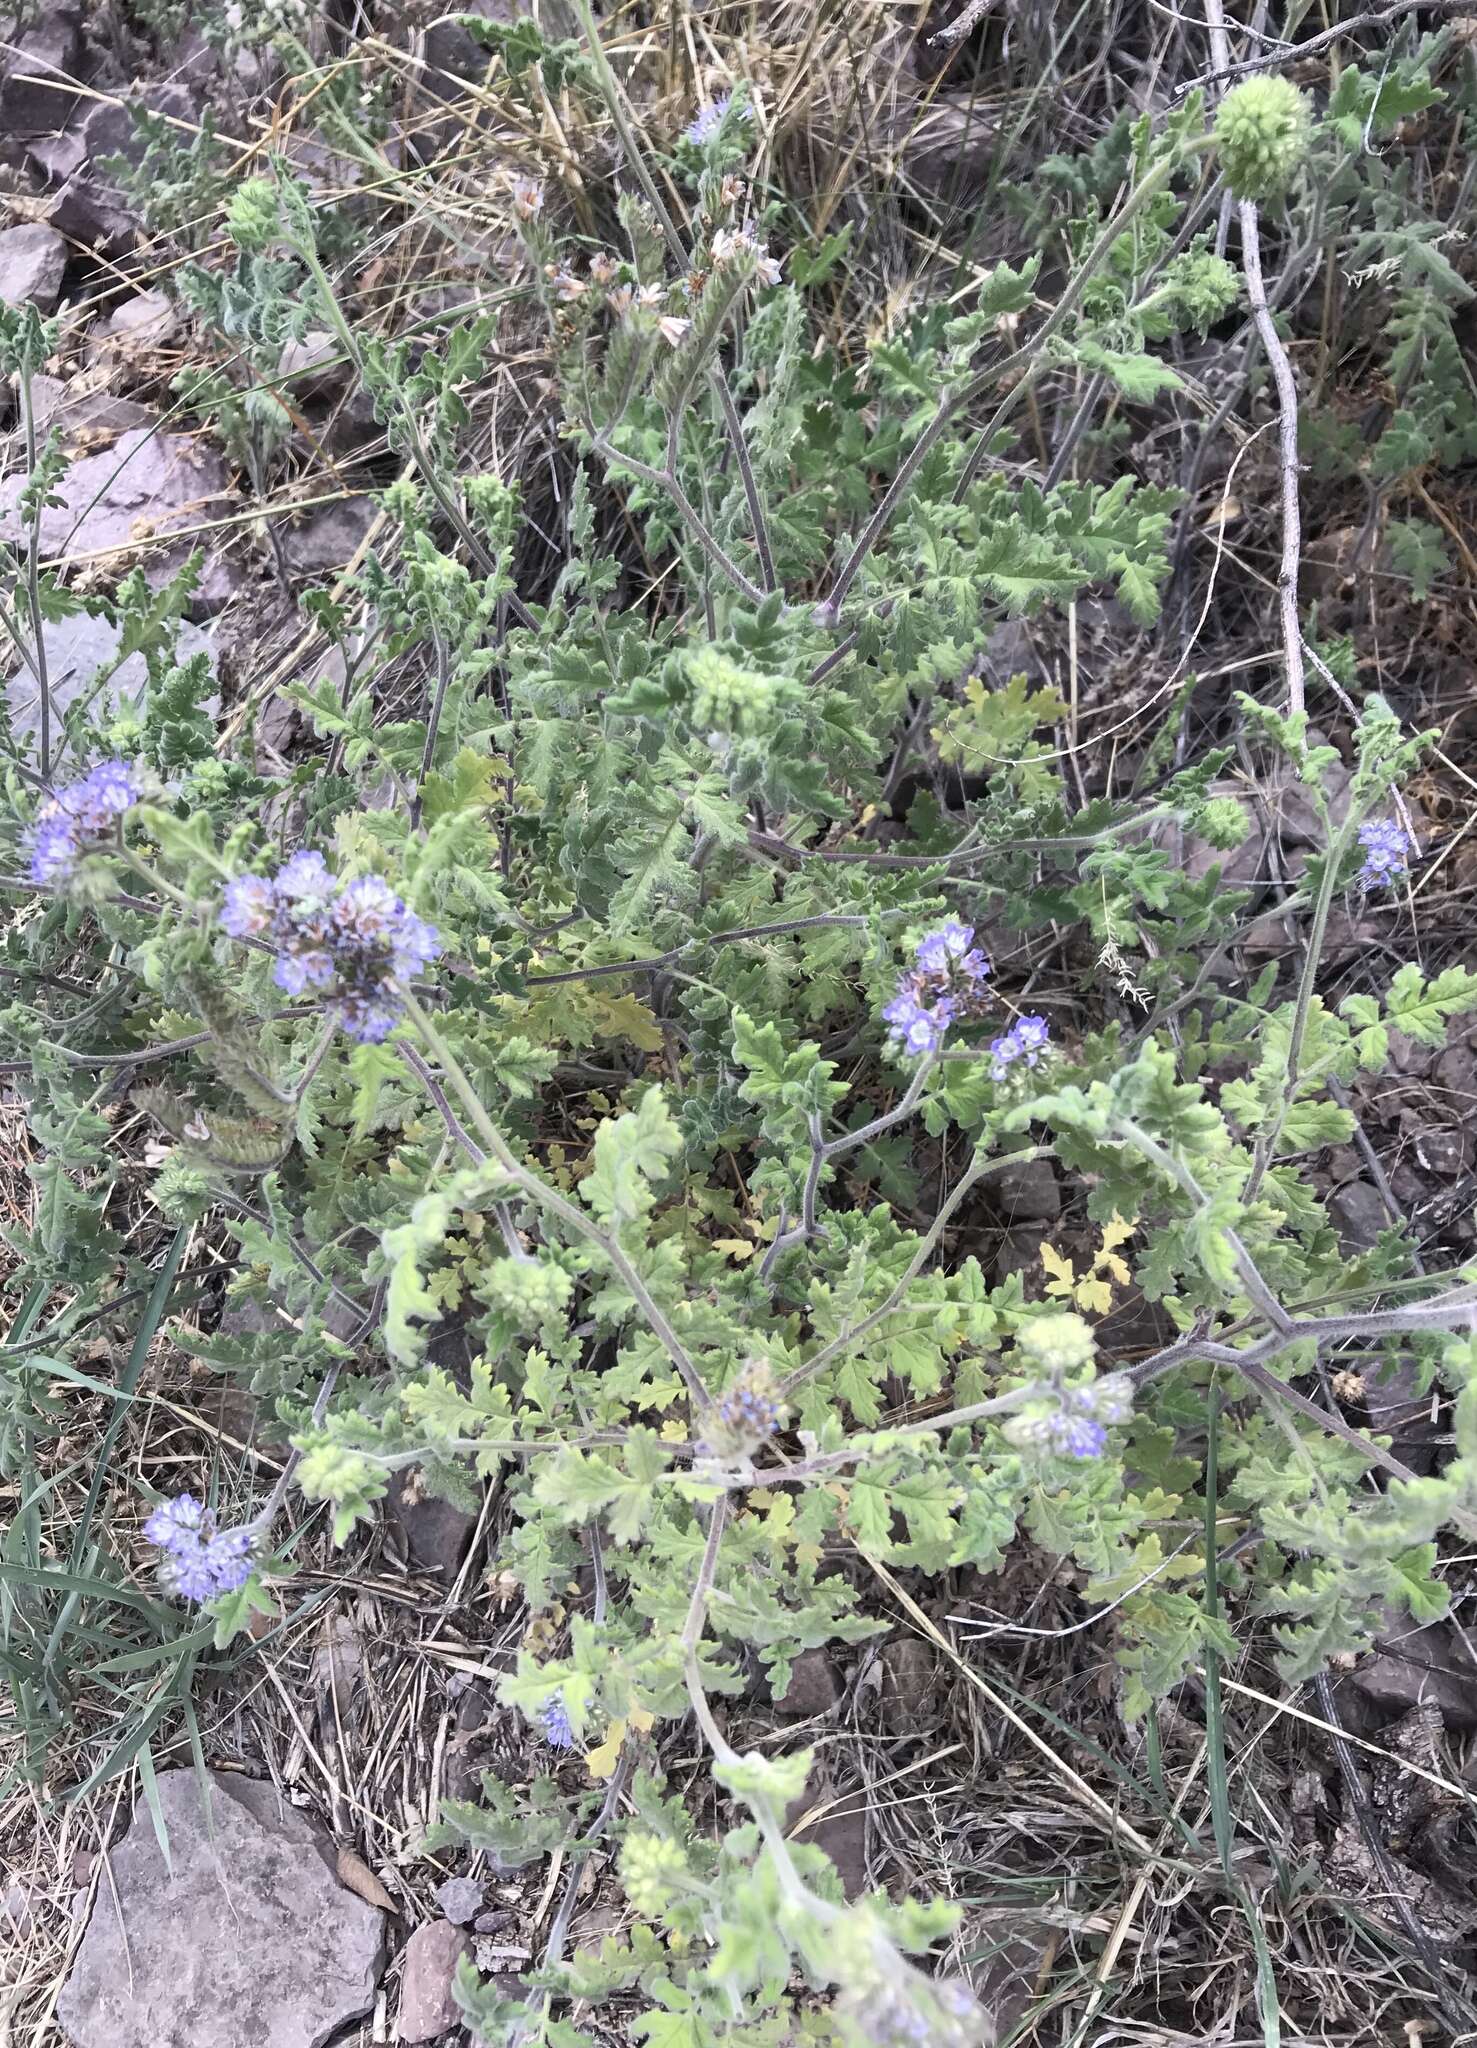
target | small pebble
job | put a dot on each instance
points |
(460, 1899)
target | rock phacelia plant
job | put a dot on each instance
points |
(750, 880)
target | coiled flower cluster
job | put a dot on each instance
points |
(1262, 133)
(1073, 1422)
(708, 119)
(944, 984)
(1385, 849)
(1027, 1040)
(348, 942)
(554, 1720)
(748, 1413)
(84, 815)
(201, 1561)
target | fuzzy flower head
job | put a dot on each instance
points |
(944, 984)
(1063, 1421)
(200, 1561)
(554, 1720)
(81, 816)
(1028, 1041)
(708, 119)
(1385, 849)
(352, 943)
(1262, 133)
(747, 1414)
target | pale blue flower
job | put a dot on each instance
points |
(200, 1561)
(1385, 850)
(86, 811)
(1028, 1039)
(554, 1720)
(708, 119)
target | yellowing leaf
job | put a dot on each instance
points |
(736, 1247)
(673, 1432)
(1111, 1263)
(1063, 1278)
(624, 1017)
(641, 1721)
(1095, 1294)
(1116, 1231)
(602, 1760)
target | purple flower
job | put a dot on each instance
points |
(708, 119)
(247, 910)
(228, 1559)
(1027, 1040)
(554, 1720)
(942, 985)
(749, 1410)
(1385, 849)
(104, 793)
(176, 1521)
(306, 875)
(54, 847)
(200, 1561)
(86, 811)
(1075, 1426)
(938, 952)
(367, 1021)
(349, 942)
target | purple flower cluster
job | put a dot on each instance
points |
(943, 984)
(554, 1720)
(1027, 1040)
(74, 818)
(348, 942)
(1385, 849)
(706, 122)
(200, 1561)
(1075, 1427)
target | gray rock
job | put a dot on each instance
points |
(1020, 1252)
(76, 649)
(74, 410)
(146, 321)
(37, 66)
(16, 1916)
(913, 1691)
(314, 367)
(1359, 1215)
(452, 54)
(92, 212)
(1026, 1193)
(110, 129)
(58, 155)
(1293, 809)
(121, 497)
(32, 260)
(814, 1687)
(243, 1936)
(329, 539)
(434, 1534)
(460, 1899)
(1412, 1666)
(427, 2003)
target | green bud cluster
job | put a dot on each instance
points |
(727, 698)
(532, 1291)
(1262, 133)
(1223, 823)
(1057, 1343)
(652, 1872)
